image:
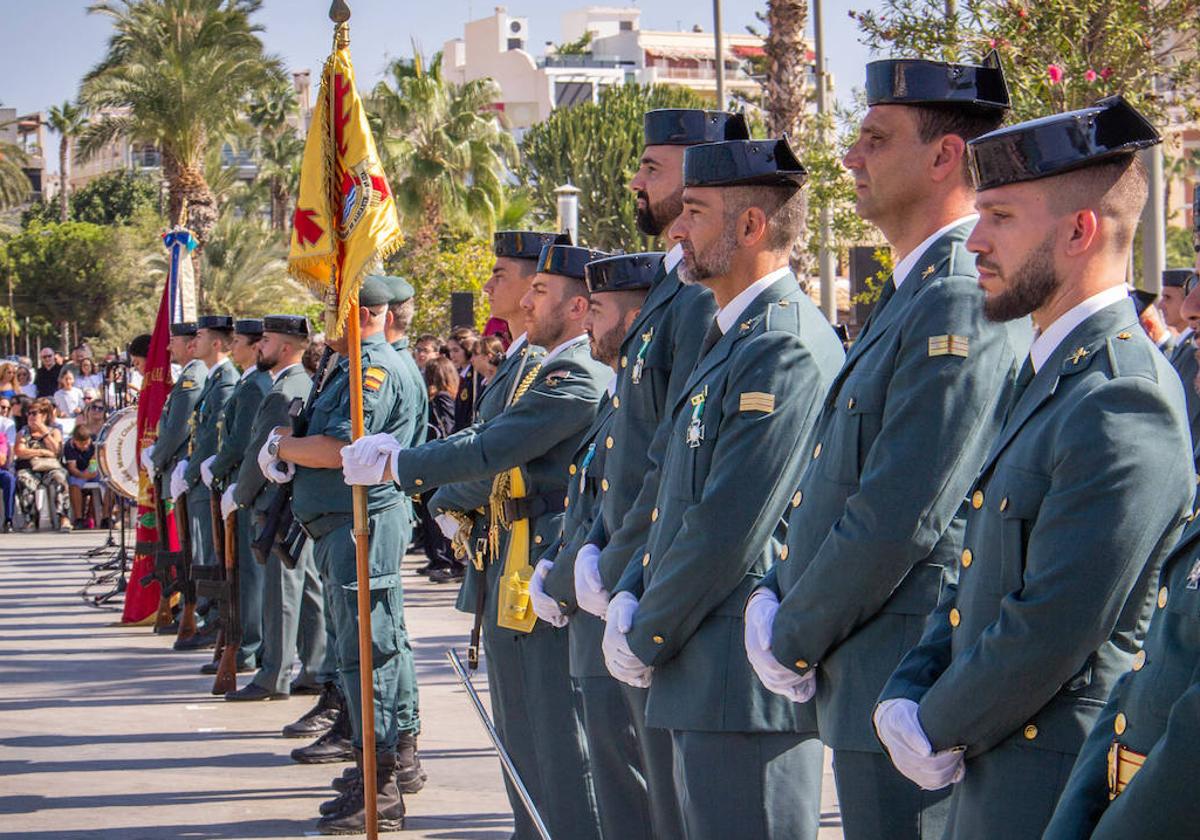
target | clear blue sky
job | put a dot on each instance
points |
(50, 44)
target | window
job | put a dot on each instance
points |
(626, 26)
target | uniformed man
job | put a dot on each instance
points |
(322, 502)
(174, 425)
(1170, 302)
(618, 287)
(531, 443)
(1178, 282)
(219, 471)
(657, 356)
(874, 530)
(294, 617)
(214, 337)
(1079, 500)
(747, 762)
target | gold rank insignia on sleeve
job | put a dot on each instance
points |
(187, 384)
(949, 345)
(757, 401)
(554, 377)
(373, 378)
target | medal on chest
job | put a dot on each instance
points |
(1193, 578)
(584, 464)
(640, 362)
(695, 429)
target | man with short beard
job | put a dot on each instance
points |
(618, 287)
(657, 355)
(528, 445)
(1079, 500)
(747, 762)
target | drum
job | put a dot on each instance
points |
(116, 452)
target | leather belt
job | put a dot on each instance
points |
(1123, 765)
(531, 507)
(323, 525)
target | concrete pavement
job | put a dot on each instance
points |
(107, 734)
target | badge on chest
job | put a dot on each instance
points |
(639, 363)
(1193, 578)
(695, 429)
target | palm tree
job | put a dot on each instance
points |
(68, 120)
(443, 147)
(787, 67)
(14, 183)
(280, 148)
(176, 74)
(247, 271)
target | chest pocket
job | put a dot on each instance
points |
(326, 406)
(857, 420)
(694, 440)
(1016, 495)
(648, 370)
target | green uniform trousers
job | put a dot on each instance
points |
(250, 592)
(876, 800)
(616, 765)
(658, 764)
(294, 621)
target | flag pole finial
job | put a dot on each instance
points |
(339, 13)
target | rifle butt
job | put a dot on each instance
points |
(187, 621)
(162, 617)
(226, 679)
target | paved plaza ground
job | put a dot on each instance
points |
(107, 734)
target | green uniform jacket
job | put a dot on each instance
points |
(733, 455)
(272, 411)
(1184, 362)
(389, 397)
(586, 486)
(418, 406)
(874, 527)
(1076, 506)
(174, 426)
(1158, 704)
(237, 423)
(657, 356)
(210, 408)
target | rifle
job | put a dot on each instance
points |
(231, 618)
(280, 533)
(212, 582)
(183, 572)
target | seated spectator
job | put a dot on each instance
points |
(94, 415)
(88, 376)
(8, 380)
(46, 376)
(489, 353)
(68, 399)
(8, 426)
(25, 382)
(38, 449)
(79, 455)
(8, 481)
(20, 404)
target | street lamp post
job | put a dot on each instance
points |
(824, 252)
(568, 210)
(719, 40)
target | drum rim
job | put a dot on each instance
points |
(101, 452)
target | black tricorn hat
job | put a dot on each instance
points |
(184, 328)
(1059, 143)
(1141, 299)
(248, 326)
(691, 126)
(214, 322)
(521, 244)
(561, 257)
(623, 272)
(1176, 277)
(286, 324)
(916, 81)
(770, 163)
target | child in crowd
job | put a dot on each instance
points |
(79, 455)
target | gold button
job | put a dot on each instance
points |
(1119, 723)
(817, 451)
(1030, 732)
(624, 361)
(572, 469)
(977, 499)
(798, 498)
(563, 604)
(646, 559)
(851, 403)
(1139, 661)
(616, 402)
(608, 442)
(418, 482)
(801, 664)
(955, 617)
(1162, 597)
(783, 552)
(967, 558)
(1004, 504)
(567, 502)
(538, 539)
(604, 484)
(654, 515)
(658, 640)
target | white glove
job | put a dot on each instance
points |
(760, 616)
(545, 606)
(146, 456)
(228, 505)
(206, 470)
(364, 461)
(899, 729)
(589, 590)
(448, 525)
(178, 483)
(622, 662)
(275, 470)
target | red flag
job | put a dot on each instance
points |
(142, 601)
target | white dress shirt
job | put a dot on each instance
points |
(1047, 340)
(515, 346)
(672, 258)
(728, 314)
(906, 265)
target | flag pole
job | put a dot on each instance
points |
(339, 13)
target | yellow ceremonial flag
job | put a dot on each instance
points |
(345, 217)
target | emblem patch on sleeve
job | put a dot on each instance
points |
(949, 345)
(756, 401)
(373, 378)
(556, 377)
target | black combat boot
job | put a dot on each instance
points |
(410, 776)
(351, 816)
(331, 747)
(319, 719)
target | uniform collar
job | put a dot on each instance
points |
(247, 373)
(276, 376)
(1047, 340)
(671, 260)
(564, 347)
(730, 312)
(906, 265)
(515, 347)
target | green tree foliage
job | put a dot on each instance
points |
(596, 147)
(455, 267)
(246, 271)
(14, 183)
(115, 198)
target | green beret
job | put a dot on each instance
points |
(374, 292)
(401, 290)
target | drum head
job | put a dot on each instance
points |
(116, 452)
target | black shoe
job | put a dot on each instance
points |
(448, 575)
(320, 718)
(8, 526)
(298, 688)
(332, 747)
(350, 816)
(105, 524)
(250, 692)
(206, 637)
(210, 667)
